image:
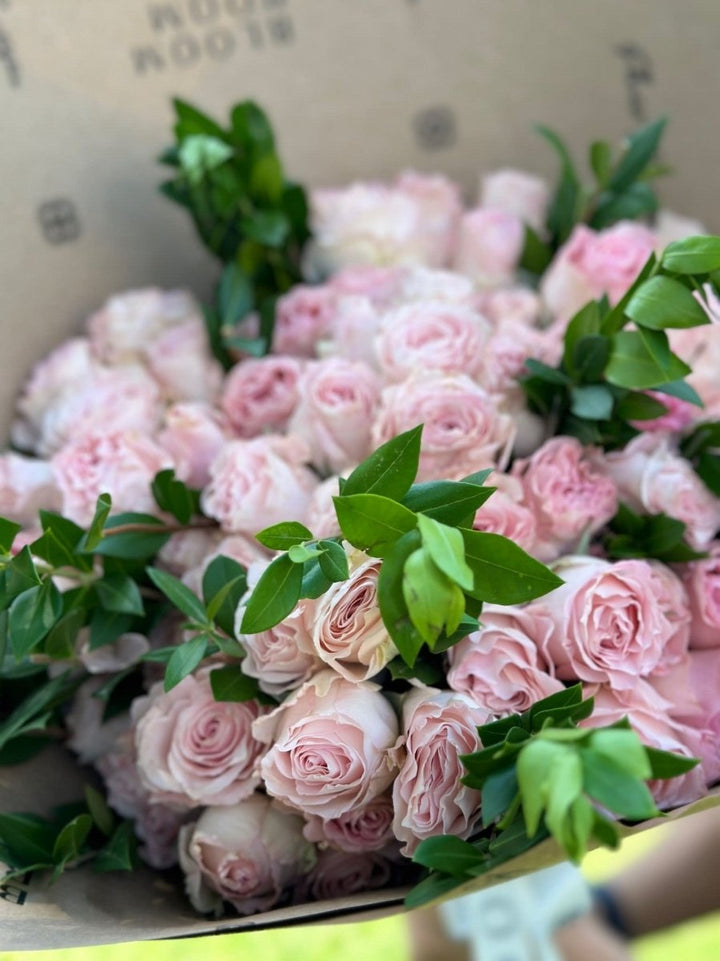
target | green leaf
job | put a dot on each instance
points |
(274, 597)
(640, 150)
(498, 793)
(371, 522)
(42, 700)
(537, 765)
(32, 614)
(446, 547)
(393, 609)
(504, 573)
(564, 786)
(224, 585)
(20, 574)
(683, 390)
(282, 536)
(622, 746)
(333, 561)
(230, 684)
(119, 853)
(184, 660)
(193, 121)
(175, 497)
(601, 161)
(607, 783)
(251, 125)
(300, 553)
(69, 842)
(390, 470)
(432, 887)
(133, 544)
(585, 323)
(663, 764)
(449, 502)
(536, 254)
(662, 302)
(592, 402)
(641, 359)
(639, 406)
(563, 212)
(27, 838)
(692, 255)
(8, 530)
(590, 357)
(179, 595)
(449, 855)
(269, 227)
(638, 200)
(563, 706)
(435, 604)
(314, 581)
(235, 295)
(107, 626)
(120, 593)
(99, 810)
(199, 154)
(61, 640)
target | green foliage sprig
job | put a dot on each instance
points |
(540, 775)
(231, 182)
(655, 535)
(702, 448)
(613, 354)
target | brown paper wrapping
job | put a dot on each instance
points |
(356, 89)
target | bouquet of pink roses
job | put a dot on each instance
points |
(382, 577)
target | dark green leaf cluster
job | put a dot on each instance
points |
(540, 775)
(612, 355)
(621, 190)
(702, 448)
(436, 571)
(231, 182)
(654, 535)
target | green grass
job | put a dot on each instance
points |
(384, 939)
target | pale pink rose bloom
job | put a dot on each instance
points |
(303, 317)
(508, 348)
(704, 676)
(25, 538)
(428, 797)
(518, 193)
(464, 430)
(700, 348)
(247, 854)
(506, 513)
(127, 322)
(650, 715)
(321, 517)
(353, 330)
(512, 305)
(338, 400)
(500, 666)
(107, 399)
(281, 658)
(27, 485)
(568, 494)
(440, 208)
(124, 651)
(431, 336)
(90, 736)
(194, 433)
(339, 874)
(678, 415)
(347, 632)
(702, 582)
(192, 749)
(119, 463)
(592, 263)
(180, 360)
(261, 394)
(670, 226)
(259, 482)
(368, 828)
(330, 746)
(614, 623)
(159, 827)
(63, 369)
(490, 244)
(378, 284)
(652, 477)
(419, 284)
(185, 550)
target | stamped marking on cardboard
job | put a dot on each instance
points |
(186, 33)
(16, 891)
(639, 73)
(435, 128)
(59, 220)
(9, 65)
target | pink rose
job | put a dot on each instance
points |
(159, 827)
(499, 666)
(702, 582)
(124, 651)
(348, 633)
(652, 477)
(678, 415)
(185, 550)
(592, 263)
(377, 284)
(119, 463)
(428, 797)
(330, 745)
(303, 317)
(27, 485)
(569, 496)
(518, 193)
(261, 394)
(259, 482)
(368, 828)
(180, 360)
(281, 658)
(506, 351)
(118, 767)
(321, 517)
(338, 399)
(704, 676)
(614, 623)
(463, 429)
(700, 348)
(490, 244)
(431, 336)
(649, 714)
(90, 736)
(506, 513)
(420, 284)
(193, 434)
(339, 874)
(439, 209)
(352, 334)
(192, 749)
(512, 305)
(247, 854)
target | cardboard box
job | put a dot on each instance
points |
(356, 89)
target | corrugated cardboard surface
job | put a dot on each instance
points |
(356, 88)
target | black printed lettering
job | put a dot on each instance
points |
(164, 15)
(59, 221)
(203, 11)
(435, 128)
(146, 59)
(220, 43)
(185, 50)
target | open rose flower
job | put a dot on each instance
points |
(428, 797)
(282, 657)
(192, 749)
(700, 348)
(261, 394)
(702, 582)
(354, 328)
(490, 244)
(338, 399)
(368, 828)
(330, 745)
(247, 854)
(27, 485)
(500, 666)
(193, 434)
(506, 513)
(348, 633)
(303, 317)
(180, 360)
(516, 192)
(614, 623)
(417, 285)
(259, 482)
(569, 496)
(464, 431)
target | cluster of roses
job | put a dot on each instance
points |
(422, 319)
